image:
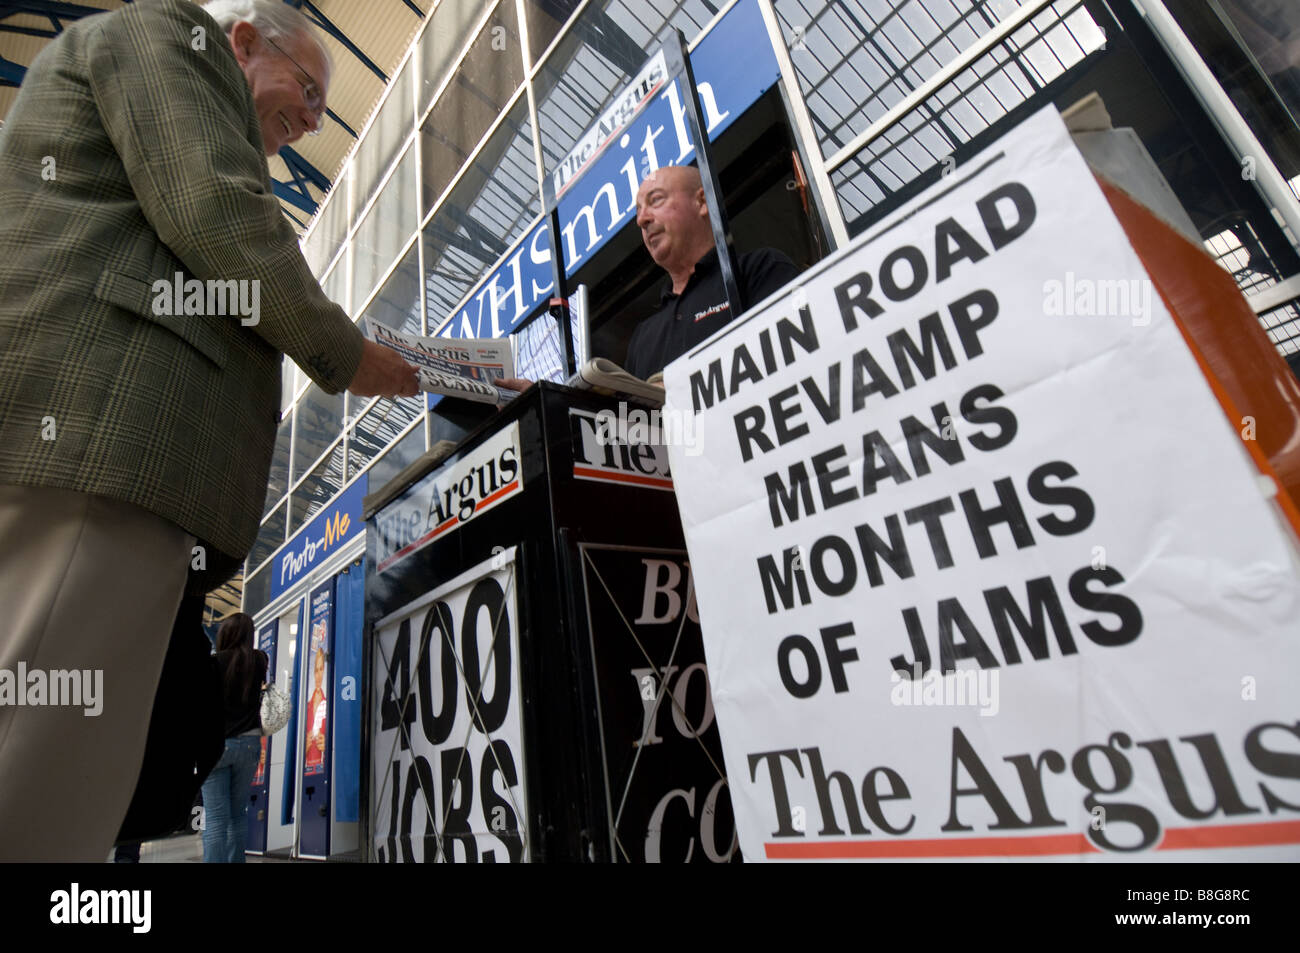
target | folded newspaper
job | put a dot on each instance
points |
(454, 367)
(601, 374)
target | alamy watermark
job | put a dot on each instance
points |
(77, 906)
(1099, 297)
(57, 688)
(210, 298)
(639, 425)
(966, 688)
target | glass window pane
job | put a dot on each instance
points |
(381, 142)
(327, 236)
(488, 209)
(319, 423)
(335, 284)
(1058, 57)
(398, 457)
(317, 489)
(314, 251)
(1253, 48)
(544, 23)
(270, 537)
(397, 305)
(377, 428)
(277, 483)
(387, 228)
(486, 79)
(288, 384)
(443, 39)
(1006, 77)
(857, 59)
(257, 591)
(1282, 325)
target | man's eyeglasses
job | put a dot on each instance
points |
(311, 91)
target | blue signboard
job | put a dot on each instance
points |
(321, 538)
(595, 205)
(346, 663)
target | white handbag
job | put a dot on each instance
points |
(275, 709)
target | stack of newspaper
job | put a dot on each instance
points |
(604, 376)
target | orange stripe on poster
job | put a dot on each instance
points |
(590, 473)
(1176, 838)
(493, 497)
(449, 524)
(1231, 835)
(941, 847)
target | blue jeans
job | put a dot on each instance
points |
(225, 801)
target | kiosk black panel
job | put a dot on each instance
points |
(536, 685)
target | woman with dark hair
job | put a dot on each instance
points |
(226, 790)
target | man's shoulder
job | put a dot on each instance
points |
(159, 11)
(161, 25)
(767, 257)
(764, 271)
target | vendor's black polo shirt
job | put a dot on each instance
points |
(684, 320)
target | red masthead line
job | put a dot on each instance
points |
(1176, 838)
(591, 473)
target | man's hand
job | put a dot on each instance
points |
(383, 373)
(514, 383)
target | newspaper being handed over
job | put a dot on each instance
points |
(455, 367)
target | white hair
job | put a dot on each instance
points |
(273, 18)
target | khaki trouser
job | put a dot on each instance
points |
(89, 589)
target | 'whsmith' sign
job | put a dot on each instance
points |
(601, 175)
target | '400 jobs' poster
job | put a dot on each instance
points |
(448, 752)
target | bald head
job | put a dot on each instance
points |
(683, 177)
(674, 220)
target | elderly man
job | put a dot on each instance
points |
(674, 222)
(138, 414)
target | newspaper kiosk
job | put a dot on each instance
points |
(537, 687)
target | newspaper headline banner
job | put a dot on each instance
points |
(980, 575)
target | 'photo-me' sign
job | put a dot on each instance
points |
(448, 772)
(981, 574)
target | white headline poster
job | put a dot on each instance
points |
(983, 569)
(448, 738)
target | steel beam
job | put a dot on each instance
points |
(11, 74)
(302, 172)
(49, 8)
(310, 10)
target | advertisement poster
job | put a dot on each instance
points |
(994, 576)
(266, 642)
(668, 798)
(318, 705)
(447, 783)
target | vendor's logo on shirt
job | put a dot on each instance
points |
(701, 315)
